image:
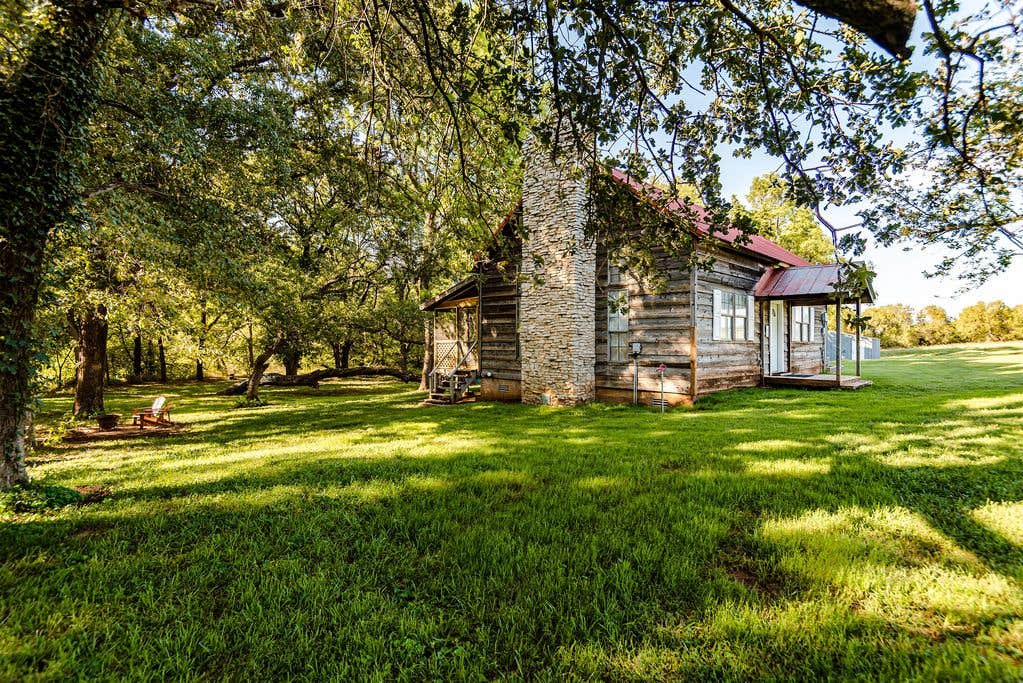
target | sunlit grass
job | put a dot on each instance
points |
(1003, 518)
(890, 562)
(348, 532)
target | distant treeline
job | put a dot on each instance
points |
(898, 325)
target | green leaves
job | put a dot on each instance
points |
(783, 221)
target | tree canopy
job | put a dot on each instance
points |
(898, 326)
(274, 178)
(781, 220)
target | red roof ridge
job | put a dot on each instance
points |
(755, 243)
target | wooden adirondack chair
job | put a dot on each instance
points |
(157, 414)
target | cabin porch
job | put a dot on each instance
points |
(455, 343)
(780, 292)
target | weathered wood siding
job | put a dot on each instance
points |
(808, 356)
(659, 319)
(727, 364)
(498, 326)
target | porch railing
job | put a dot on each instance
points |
(452, 355)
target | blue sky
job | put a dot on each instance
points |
(900, 269)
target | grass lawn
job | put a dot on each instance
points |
(348, 532)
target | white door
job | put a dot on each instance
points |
(778, 360)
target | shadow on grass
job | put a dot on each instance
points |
(376, 537)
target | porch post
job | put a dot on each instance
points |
(458, 333)
(857, 337)
(765, 312)
(838, 341)
(786, 329)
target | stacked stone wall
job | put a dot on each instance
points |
(557, 317)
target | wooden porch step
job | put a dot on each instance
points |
(446, 401)
(849, 382)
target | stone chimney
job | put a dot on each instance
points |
(556, 309)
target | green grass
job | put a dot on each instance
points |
(348, 532)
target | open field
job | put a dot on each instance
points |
(348, 532)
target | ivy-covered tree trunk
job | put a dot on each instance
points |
(91, 359)
(44, 104)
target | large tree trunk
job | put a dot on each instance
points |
(45, 101)
(889, 23)
(291, 354)
(346, 353)
(335, 348)
(313, 379)
(150, 360)
(200, 370)
(136, 356)
(90, 357)
(259, 367)
(342, 353)
(424, 377)
(291, 361)
(163, 361)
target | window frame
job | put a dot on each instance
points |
(617, 334)
(726, 311)
(617, 298)
(802, 323)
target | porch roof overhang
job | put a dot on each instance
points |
(805, 285)
(458, 294)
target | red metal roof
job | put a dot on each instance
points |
(801, 282)
(699, 218)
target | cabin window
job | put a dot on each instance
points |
(618, 325)
(733, 315)
(802, 323)
(614, 275)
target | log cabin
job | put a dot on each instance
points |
(549, 315)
